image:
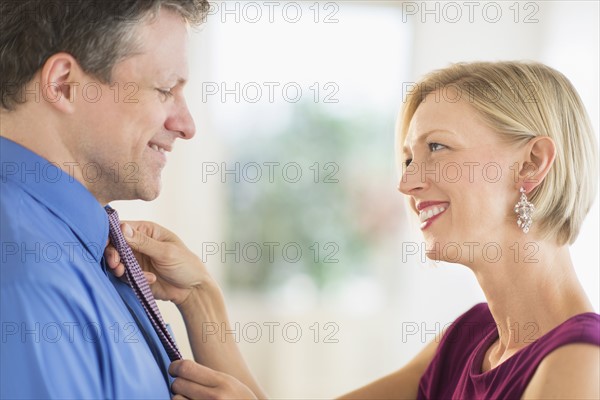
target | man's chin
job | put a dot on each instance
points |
(149, 193)
(146, 191)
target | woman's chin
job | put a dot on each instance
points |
(446, 252)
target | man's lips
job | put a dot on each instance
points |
(160, 147)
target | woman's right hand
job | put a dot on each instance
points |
(173, 271)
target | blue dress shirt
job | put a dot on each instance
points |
(70, 330)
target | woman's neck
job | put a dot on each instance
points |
(530, 296)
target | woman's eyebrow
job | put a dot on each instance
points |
(422, 136)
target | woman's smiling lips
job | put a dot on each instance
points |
(430, 210)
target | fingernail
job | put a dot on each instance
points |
(127, 231)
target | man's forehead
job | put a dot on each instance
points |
(162, 47)
(166, 27)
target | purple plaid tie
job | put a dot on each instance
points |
(139, 284)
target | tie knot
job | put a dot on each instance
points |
(114, 230)
(114, 223)
(112, 213)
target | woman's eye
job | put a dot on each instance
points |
(436, 146)
(407, 161)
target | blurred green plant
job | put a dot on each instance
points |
(333, 213)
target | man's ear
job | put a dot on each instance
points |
(539, 157)
(59, 81)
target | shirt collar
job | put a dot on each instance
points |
(64, 195)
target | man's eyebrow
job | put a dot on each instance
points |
(175, 78)
(180, 81)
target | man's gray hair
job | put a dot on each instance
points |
(97, 33)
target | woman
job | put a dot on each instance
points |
(499, 164)
(512, 137)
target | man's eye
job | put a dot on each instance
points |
(436, 146)
(165, 92)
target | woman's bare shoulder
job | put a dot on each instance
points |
(571, 371)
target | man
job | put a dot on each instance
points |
(91, 101)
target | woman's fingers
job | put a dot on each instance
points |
(191, 389)
(196, 381)
(113, 260)
(150, 277)
(112, 256)
(190, 370)
(192, 379)
(139, 241)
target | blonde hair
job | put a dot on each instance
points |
(520, 101)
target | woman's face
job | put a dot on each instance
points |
(462, 182)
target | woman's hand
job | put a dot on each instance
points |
(170, 267)
(195, 381)
(178, 275)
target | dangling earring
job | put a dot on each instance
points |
(524, 210)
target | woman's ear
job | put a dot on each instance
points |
(540, 154)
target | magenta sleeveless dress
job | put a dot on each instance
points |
(455, 371)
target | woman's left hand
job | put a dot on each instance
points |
(195, 381)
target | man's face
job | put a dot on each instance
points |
(122, 139)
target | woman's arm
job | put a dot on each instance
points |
(402, 384)
(206, 308)
(178, 275)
